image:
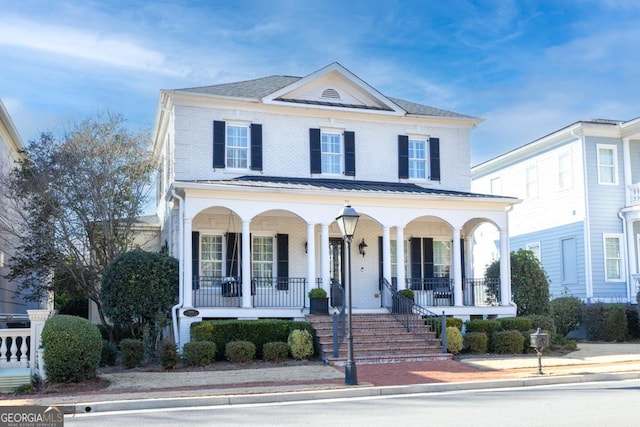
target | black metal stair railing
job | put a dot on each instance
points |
(413, 316)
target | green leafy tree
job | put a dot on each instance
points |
(80, 198)
(138, 290)
(529, 282)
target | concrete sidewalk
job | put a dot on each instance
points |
(139, 390)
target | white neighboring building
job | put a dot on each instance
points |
(252, 175)
(580, 213)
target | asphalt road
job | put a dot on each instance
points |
(611, 403)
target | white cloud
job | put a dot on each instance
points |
(115, 50)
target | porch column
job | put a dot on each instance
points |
(324, 262)
(505, 269)
(400, 257)
(631, 261)
(37, 318)
(187, 274)
(311, 256)
(386, 253)
(468, 268)
(457, 269)
(246, 264)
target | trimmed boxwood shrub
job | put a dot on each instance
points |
(277, 351)
(300, 344)
(566, 313)
(132, 352)
(199, 353)
(454, 340)
(168, 354)
(109, 353)
(522, 324)
(240, 351)
(476, 342)
(633, 322)
(605, 322)
(508, 342)
(259, 332)
(482, 325)
(72, 348)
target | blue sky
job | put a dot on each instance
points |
(527, 67)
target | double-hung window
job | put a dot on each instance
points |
(441, 258)
(263, 257)
(331, 149)
(531, 181)
(417, 158)
(565, 172)
(607, 161)
(613, 257)
(237, 146)
(211, 256)
(394, 258)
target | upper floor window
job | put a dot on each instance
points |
(331, 146)
(613, 257)
(531, 181)
(237, 146)
(607, 164)
(565, 171)
(417, 158)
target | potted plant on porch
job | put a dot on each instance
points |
(318, 301)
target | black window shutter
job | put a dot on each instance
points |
(315, 151)
(195, 259)
(256, 147)
(434, 158)
(349, 153)
(403, 156)
(415, 249)
(219, 144)
(427, 245)
(283, 262)
(234, 247)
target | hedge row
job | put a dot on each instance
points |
(258, 332)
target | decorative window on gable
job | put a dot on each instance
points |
(418, 158)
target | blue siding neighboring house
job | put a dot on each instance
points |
(580, 213)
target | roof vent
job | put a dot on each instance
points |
(330, 93)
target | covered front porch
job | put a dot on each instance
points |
(252, 253)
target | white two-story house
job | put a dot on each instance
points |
(580, 213)
(253, 174)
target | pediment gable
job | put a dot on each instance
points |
(333, 87)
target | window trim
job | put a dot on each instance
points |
(247, 149)
(447, 267)
(614, 150)
(425, 160)
(202, 235)
(569, 170)
(620, 257)
(528, 181)
(274, 253)
(340, 155)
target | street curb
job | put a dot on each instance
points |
(351, 392)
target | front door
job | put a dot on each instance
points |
(336, 268)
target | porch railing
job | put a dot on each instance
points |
(15, 348)
(433, 291)
(413, 316)
(277, 292)
(483, 292)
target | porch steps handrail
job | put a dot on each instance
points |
(413, 316)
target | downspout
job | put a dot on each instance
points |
(175, 308)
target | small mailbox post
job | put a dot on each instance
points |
(539, 341)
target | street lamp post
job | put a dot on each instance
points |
(347, 220)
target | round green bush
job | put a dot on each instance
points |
(199, 353)
(508, 342)
(72, 348)
(476, 342)
(605, 322)
(168, 354)
(276, 351)
(566, 313)
(132, 352)
(300, 344)
(240, 351)
(454, 340)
